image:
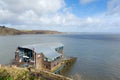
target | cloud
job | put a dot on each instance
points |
(39, 6)
(113, 6)
(29, 12)
(54, 15)
(86, 1)
(42, 13)
(104, 22)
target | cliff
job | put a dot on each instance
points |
(11, 31)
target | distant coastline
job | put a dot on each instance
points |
(11, 31)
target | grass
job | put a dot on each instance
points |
(15, 73)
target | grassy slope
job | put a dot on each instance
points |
(10, 31)
(15, 73)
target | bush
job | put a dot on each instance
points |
(4, 75)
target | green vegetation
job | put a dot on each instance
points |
(15, 73)
(30, 73)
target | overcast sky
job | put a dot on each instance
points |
(62, 15)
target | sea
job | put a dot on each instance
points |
(98, 55)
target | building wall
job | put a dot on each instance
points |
(55, 63)
(47, 65)
(40, 61)
(17, 56)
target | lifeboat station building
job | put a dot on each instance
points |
(47, 55)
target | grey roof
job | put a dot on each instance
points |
(48, 49)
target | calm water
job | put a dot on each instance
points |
(98, 56)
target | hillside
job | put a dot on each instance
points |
(10, 31)
(40, 32)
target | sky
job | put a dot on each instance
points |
(61, 15)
